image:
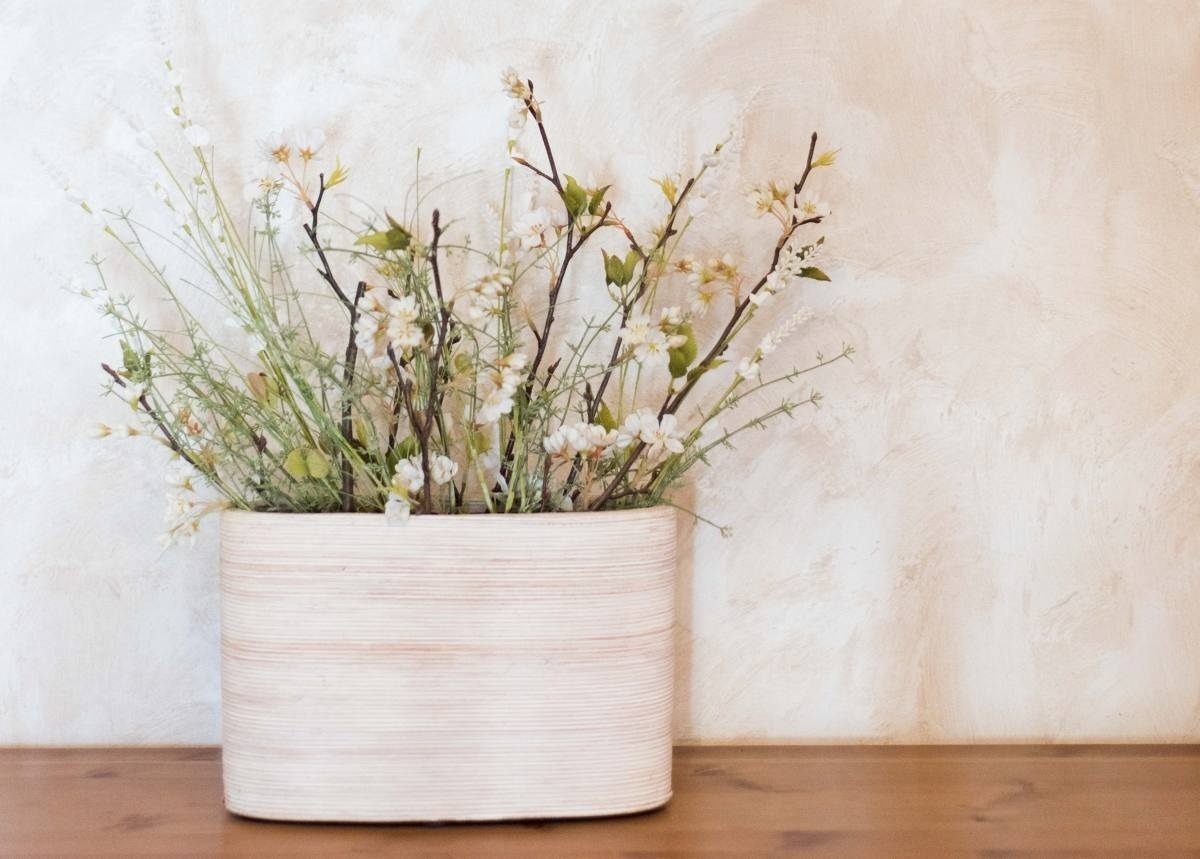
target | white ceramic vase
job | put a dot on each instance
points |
(470, 667)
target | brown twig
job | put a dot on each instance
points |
(347, 427)
(671, 403)
(144, 402)
(311, 230)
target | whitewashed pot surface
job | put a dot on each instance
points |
(470, 667)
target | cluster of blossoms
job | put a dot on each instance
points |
(455, 390)
(185, 506)
(387, 323)
(483, 298)
(650, 342)
(580, 439)
(497, 388)
(409, 479)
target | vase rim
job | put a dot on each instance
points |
(565, 515)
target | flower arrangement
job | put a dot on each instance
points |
(458, 382)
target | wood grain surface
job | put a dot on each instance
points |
(450, 668)
(924, 801)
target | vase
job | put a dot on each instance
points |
(450, 668)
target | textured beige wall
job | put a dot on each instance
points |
(992, 531)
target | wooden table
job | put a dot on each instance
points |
(729, 801)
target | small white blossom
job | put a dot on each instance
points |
(182, 476)
(535, 229)
(397, 509)
(275, 148)
(484, 296)
(811, 208)
(309, 143)
(442, 469)
(514, 85)
(409, 477)
(497, 387)
(749, 368)
(666, 437)
(645, 427)
(645, 339)
(761, 199)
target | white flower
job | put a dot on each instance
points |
(758, 299)
(442, 469)
(484, 297)
(702, 296)
(645, 427)
(645, 338)
(397, 509)
(182, 476)
(264, 179)
(74, 195)
(133, 394)
(533, 228)
(494, 403)
(514, 85)
(631, 428)
(497, 387)
(409, 477)
(101, 431)
(749, 368)
(662, 438)
(811, 208)
(309, 143)
(275, 148)
(761, 199)
(489, 461)
(197, 135)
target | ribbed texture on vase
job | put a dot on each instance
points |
(473, 667)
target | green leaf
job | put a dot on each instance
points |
(681, 357)
(406, 448)
(631, 261)
(813, 273)
(318, 464)
(605, 417)
(296, 464)
(678, 364)
(691, 347)
(614, 270)
(575, 197)
(394, 238)
(597, 198)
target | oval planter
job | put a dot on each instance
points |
(470, 667)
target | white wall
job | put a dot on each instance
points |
(991, 531)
